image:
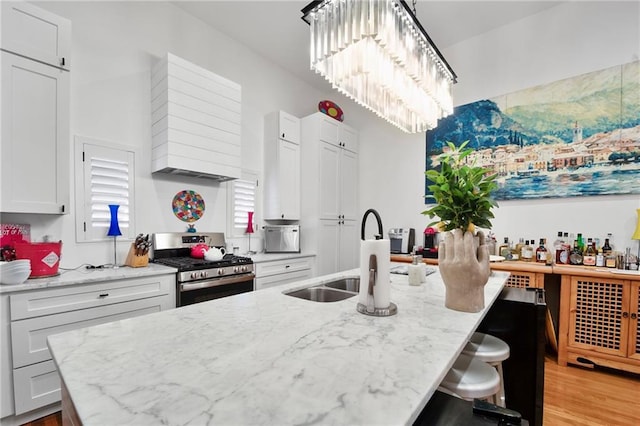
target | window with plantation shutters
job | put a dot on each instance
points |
(107, 178)
(243, 196)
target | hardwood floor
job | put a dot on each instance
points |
(584, 397)
(573, 396)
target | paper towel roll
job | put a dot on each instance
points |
(382, 250)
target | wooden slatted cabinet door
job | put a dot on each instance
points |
(634, 327)
(596, 315)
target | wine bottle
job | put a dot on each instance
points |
(606, 247)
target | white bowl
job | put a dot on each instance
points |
(14, 277)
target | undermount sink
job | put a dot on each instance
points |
(333, 291)
(347, 284)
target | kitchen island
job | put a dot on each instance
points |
(268, 358)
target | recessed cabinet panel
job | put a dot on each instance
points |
(35, 136)
(348, 137)
(349, 245)
(29, 337)
(328, 246)
(36, 33)
(35, 386)
(349, 185)
(282, 167)
(329, 181)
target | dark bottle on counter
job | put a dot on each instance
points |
(575, 258)
(606, 248)
(541, 252)
(581, 243)
(589, 255)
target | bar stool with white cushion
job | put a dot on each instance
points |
(470, 378)
(493, 351)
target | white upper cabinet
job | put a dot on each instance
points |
(282, 167)
(282, 125)
(35, 33)
(336, 132)
(35, 111)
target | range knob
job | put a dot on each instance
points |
(235, 269)
(194, 275)
(203, 274)
(220, 271)
(244, 269)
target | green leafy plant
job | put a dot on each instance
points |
(461, 191)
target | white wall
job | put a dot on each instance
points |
(567, 40)
(114, 46)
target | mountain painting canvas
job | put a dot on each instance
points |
(574, 137)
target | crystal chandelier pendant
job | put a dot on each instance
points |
(377, 53)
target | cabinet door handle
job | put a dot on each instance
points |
(625, 315)
(634, 315)
(287, 266)
(283, 136)
(282, 216)
(103, 295)
(62, 61)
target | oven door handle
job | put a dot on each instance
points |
(217, 281)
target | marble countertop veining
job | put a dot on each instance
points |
(264, 358)
(87, 276)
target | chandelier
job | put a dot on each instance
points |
(377, 53)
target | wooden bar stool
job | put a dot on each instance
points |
(493, 351)
(470, 378)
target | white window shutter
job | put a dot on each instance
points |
(108, 178)
(243, 195)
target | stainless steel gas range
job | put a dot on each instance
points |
(199, 280)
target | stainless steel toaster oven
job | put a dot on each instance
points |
(282, 239)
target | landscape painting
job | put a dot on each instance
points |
(574, 137)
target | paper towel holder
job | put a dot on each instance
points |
(378, 236)
(392, 309)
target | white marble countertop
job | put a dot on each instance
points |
(264, 358)
(270, 257)
(87, 276)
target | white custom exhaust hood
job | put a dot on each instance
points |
(196, 121)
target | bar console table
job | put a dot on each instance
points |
(597, 311)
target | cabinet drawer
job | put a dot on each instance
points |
(29, 336)
(274, 280)
(264, 269)
(35, 386)
(52, 301)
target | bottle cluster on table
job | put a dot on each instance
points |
(567, 249)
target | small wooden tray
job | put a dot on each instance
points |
(136, 261)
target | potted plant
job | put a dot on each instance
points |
(462, 193)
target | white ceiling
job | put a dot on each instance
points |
(275, 30)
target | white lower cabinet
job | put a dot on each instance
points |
(276, 272)
(337, 240)
(35, 315)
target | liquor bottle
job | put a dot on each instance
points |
(606, 247)
(575, 258)
(541, 252)
(505, 249)
(600, 258)
(527, 252)
(557, 247)
(581, 243)
(589, 255)
(515, 252)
